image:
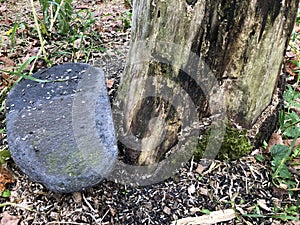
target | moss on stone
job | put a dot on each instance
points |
(235, 145)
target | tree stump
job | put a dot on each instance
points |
(205, 58)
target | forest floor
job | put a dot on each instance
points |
(237, 192)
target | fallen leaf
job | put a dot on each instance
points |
(112, 211)
(107, 18)
(77, 43)
(167, 210)
(290, 54)
(212, 218)
(295, 222)
(3, 8)
(289, 142)
(9, 220)
(77, 197)
(5, 178)
(279, 193)
(202, 165)
(283, 186)
(262, 204)
(297, 110)
(117, 24)
(240, 210)
(82, 7)
(296, 28)
(200, 168)
(203, 191)
(99, 28)
(275, 139)
(110, 83)
(6, 21)
(191, 189)
(7, 61)
(296, 163)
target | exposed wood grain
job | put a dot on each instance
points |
(241, 42)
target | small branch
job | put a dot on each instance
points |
(212, 218)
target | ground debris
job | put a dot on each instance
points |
(9, 220)
(212, 218)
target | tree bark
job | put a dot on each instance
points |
(184, 52)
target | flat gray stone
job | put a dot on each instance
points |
(61, 133)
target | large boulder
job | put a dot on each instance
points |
(60, 128)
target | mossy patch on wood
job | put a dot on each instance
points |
(235, 144)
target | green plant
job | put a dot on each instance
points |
(83, 33)
(281, 175)
(12, 33)
(4, 155)
(234, 144)
(41, 38)
(205, 211)
(288, 212)
(298, 17)
(127, 20)
(82, 40)
(56, 10)
(289, 124)
(21, 74)
(260, 158)
(6, 194)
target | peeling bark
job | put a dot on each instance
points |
(241, 42)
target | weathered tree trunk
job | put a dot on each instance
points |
(183, 52)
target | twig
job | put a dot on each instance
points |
(15, 205)
(104, 216)
(54, 222)
(212, 218)
(88, 204)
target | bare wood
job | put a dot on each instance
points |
(212, 218)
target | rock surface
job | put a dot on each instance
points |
(60, 131)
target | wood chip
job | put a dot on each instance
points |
(110, 83)
(191, 189)
(200, 169)
(212, 218)
(194, 210)
(262, 203)
(77, 197)
(167, 210)
(203, 191)
(112, 211)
